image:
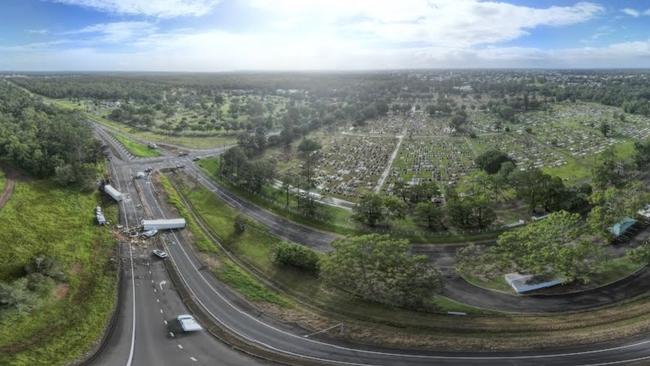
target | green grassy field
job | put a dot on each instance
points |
(69, 317)
(136, 148)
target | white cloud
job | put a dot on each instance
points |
(116, 31)
(647, 12)
(154, 8)
(38, 31)
(436, 22)
(631, 12)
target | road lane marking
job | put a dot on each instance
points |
(193, 359)
(179, 346)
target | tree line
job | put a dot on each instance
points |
(46, 141)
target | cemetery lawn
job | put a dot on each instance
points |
(67, 317)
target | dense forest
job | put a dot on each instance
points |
(46, 141)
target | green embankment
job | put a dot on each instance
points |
(226, 270)
(137, 149)
(66, 317)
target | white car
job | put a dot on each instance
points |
(160, 253)
(149, 233)
(187, 323)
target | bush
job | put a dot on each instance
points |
(298, 256)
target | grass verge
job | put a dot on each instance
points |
(137, 149)
(68, 318)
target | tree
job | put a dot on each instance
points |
(613, 204)
(554, 247)
(298, 256)
(381, 269)
(308, 151)
(289, 180)
(605, 129)
(470, 213)
(609, 170)
(430, 214)
(395, 208)
(370, 209)
(642, 154)
(422, 192)
(491, 160)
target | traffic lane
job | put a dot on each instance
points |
(158, 306)
(633, 286)
(282, 227)
(115, 350)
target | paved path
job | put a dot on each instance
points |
(389, 165)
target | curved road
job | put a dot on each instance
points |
(235, 315)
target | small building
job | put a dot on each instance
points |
(621, 227)
(114, 193)
(526, 283)
(163, 224)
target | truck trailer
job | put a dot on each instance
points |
(114, 193)
(163, 224)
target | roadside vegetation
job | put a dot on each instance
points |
(57, 275)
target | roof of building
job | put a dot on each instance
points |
(622, 226)
(526, 283)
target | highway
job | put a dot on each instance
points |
(152, 346)
(149, 303)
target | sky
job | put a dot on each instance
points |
(235, 35)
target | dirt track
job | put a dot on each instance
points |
(8, 190)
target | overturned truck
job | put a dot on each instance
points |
(163, 224)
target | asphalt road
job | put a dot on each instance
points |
(152, 347)
(149, 303)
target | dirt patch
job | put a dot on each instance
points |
(8, 191)
(61, 291)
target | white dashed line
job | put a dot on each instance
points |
(193, 359)
(161, 311)
(179, 346)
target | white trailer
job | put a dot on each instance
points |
(114, 193)
(164, 224)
